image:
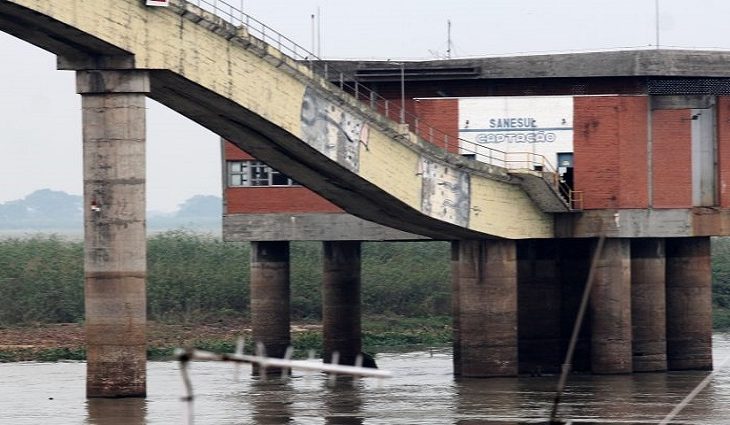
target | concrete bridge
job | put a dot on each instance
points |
(503, 221)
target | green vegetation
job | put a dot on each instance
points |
(44, 354)
(193, 278)
(41, 280)
(721, 283)
(199, 279)
(378, 333)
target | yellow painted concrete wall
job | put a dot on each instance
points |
(503, 209)
(160, 38)
(393, 164)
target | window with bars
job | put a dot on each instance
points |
(255, 173)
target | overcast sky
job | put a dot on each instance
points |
(40, 141)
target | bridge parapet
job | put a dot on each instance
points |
(282, 112)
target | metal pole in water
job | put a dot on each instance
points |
(567, 365)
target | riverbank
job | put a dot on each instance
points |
(65, 341)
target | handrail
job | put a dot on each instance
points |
(389, 109)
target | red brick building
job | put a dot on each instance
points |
(641, 137)
(648, 130)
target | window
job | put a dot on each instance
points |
(255, 173)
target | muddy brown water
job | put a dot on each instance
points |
(422, 392)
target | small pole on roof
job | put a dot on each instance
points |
(402, 93)
(319, 33)
(313, 32)
(656, 21)
(448, 38)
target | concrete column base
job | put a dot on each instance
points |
(270, 296)
(648, 305)
(539, 301)
(610, 309)
(689, 304)
(455, 308)
(487, 303)
(113, 108)
(574, 265)
(341, 301)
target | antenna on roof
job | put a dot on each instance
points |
(656, 21)
(313, 32)
(448, 39)
(319, 33)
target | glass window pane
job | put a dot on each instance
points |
(259, 174)
(278, 179)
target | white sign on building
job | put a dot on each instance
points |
(516, 128)
(161, 3)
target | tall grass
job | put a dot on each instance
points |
(41, 280)
(721, 282)
(193, 277)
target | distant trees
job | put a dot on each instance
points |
(201, 206)
(57, 211)
(42, 209)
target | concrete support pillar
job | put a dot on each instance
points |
(455, 308)
(610, 308)
(648, 305)
(270, 291)
(539, 301)
(341, 301)
(574, 265)
(113, 108)
(689, 304)
(487, 302)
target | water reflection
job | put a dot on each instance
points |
(422, 391)
(270, 401)
(500, 394)
(343, 402)
(122, 411)
(610, 395)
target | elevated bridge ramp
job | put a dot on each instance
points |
(279, 110)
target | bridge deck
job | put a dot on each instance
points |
(277, 109)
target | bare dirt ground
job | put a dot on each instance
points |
(71, 335)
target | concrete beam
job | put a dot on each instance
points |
(94, 62)
(679, 63)
(113, 114)
(308, 227)
(644, 223)
(53, 35)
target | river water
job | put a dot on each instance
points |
(422, 392)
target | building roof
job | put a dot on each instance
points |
(630, 63)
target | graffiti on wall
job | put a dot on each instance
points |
(446, 192)
(332, 130)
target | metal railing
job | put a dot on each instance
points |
(392, 110)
